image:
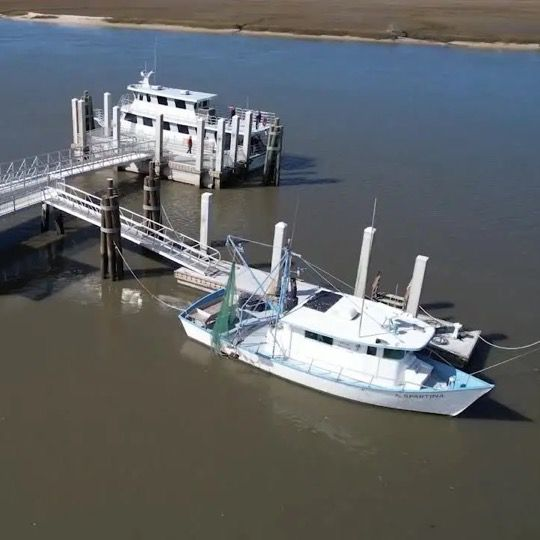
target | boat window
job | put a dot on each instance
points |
(203, 104)
(140, 97)
(148, 98)
(372, 351)
(319, 337)
(394, 354)
(166, 126)
(130, 118)
(180, 104)
(183, 129)
(162, 100)
(147, 121)
(323, 301)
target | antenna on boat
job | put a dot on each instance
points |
(155, 59)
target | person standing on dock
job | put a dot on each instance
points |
(258, 119)
(189, 145)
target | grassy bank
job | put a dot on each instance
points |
(514, 21)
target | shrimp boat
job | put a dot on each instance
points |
(340, 344)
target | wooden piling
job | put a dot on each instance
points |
(103, 241)
(45, 217)
(117, 236)
(272, 162)
(59, 222)
(151, 200)
(111, 260)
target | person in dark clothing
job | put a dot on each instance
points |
(189, 145)
(258, 119)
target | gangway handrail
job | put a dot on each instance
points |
(142, 225)
(67, 162)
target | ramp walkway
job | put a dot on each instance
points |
(22, 181)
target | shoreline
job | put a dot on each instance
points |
(110, 22)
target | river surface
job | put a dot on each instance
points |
(113, 425)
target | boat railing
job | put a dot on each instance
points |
(342, 373)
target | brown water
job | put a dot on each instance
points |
(113, 425)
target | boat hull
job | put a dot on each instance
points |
(448, 402)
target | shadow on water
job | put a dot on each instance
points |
(434, 306)
(487, 408)
(34, 264)
(301, 170)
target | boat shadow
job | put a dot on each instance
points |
(487, 408)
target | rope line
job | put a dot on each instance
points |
(501, 347)
(507, 360)
(140, 283)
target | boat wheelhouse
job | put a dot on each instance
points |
(183, 112)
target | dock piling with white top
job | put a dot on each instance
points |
(277, 253)
(235, 131)
(116, 125)
(220, 145)
(201, 130)
(206, 216)
(158, 157)
(107, 114)
(417, 281)
(246, 145)
(75, 121)
(363, 263)
(81, 121)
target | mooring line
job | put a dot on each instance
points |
(140, 283)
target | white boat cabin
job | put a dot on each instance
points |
(181, 110)
(377, 347)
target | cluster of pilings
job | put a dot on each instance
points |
(83, 122)
(272, 162)
(112, 263)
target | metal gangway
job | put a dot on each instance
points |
(165, 241)
(22, 181)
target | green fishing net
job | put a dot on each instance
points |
(226, 318)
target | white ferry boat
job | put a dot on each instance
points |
(343, 345)
(182, 110)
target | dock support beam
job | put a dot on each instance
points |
(248, 122)
(116, 125)
(415, 287)
(206, 216)
(235, 129)
(158, 153)
(220, 144)
(277, 253)
(199, 158)
(107, 113)
(363, 263)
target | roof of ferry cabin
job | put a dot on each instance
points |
(171, 93)
(337, 315)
